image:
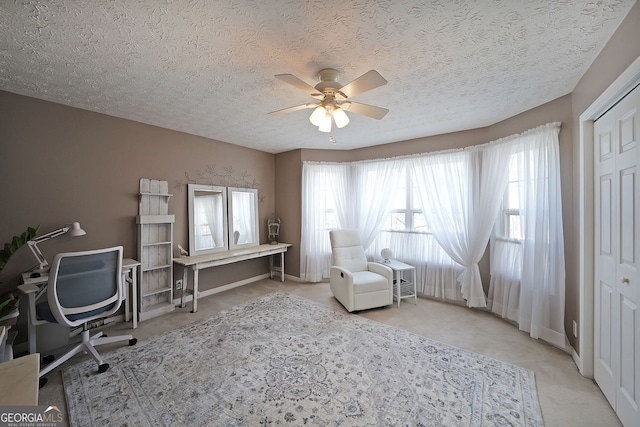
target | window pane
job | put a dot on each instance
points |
(399, 197)
(330, 220)
(398, 221)
(419, 223)
(513, 167)
(415, 196)
(513, 195)
(514, 230)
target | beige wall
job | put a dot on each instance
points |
(288, 206)
(60, 164)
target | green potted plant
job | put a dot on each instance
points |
(9, 304)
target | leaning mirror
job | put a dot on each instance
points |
(244, 231)
(207, 219)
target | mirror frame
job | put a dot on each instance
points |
(193, 188)
(254, 193)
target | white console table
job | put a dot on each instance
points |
(199, 262)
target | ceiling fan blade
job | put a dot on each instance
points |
(366, 110)
(292, 109)
(294, 81)
(369, 80)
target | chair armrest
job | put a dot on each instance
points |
(28, 289)
(340, 275)
(383, 270)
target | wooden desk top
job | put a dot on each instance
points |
(234, 255)
(19, 379)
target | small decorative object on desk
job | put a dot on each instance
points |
(386, 255)
(183, 251)
(273, 228)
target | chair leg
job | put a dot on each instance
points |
(91, 349)
(75, 350)
(108, 340)
(88, 346)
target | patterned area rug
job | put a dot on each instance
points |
(284, 360)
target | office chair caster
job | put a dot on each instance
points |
(103, 368)
(133, 341)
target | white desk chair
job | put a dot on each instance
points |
(83, 286)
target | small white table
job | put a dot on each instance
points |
(403, 287)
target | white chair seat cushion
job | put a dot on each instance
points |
(367, 281)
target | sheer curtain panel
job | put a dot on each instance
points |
(461, 193)
(326, 196)
(436, 273)
(374, 183)
(542, 289)
(506, 274)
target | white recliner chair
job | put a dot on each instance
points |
(356, 283)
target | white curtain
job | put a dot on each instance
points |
(205, 210)
(542, 288)
(436, 273)
(326, 195)
(243, 217)
(373, 184)
(213, 212)
(460, 198)
(506, 274)
(338, 179)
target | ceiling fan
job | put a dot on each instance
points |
(333, 97)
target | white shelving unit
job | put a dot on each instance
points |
(155, 249)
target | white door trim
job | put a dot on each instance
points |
(618, 89)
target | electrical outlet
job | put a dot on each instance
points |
(179, 284)
(575, 329)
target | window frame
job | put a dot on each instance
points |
(408, 212)
(503, 222)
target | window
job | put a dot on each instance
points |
(325, 191)
(511, 227)
(405, 213)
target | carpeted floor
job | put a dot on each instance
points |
(284, 360)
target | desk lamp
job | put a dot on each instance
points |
(33, 244)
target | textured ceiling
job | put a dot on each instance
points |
(206, 67)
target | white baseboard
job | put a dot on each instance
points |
(577, 360)
(292, 278)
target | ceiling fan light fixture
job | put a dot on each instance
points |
(333, 98)
(325, 123)
(340, 117)
(317, 116)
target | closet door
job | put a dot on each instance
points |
(617, 257)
